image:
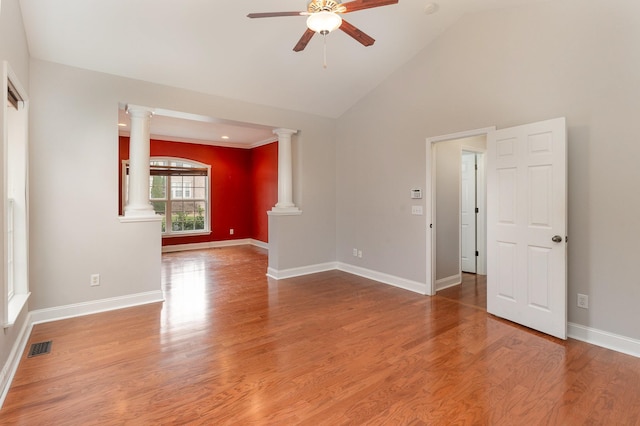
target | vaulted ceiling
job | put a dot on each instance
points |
(210, 46)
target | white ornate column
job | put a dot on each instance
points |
(285, 203)
(138, 204)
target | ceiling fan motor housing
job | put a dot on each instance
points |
(325, 6)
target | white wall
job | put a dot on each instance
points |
(74, 165)
(572, 58)
(13, 48)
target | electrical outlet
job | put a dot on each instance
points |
(231, 231)
(360, 254)
(355, 252)
(583, 301)
(95, 280)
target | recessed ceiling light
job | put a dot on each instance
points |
(122, 125)
(431, 8)
(224, 137)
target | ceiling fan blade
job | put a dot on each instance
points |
(352, 6)
(304, 40)
(358, 35)
(275, 14)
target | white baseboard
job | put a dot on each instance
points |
(612, 341)
(298, 272)
(259, 243)
(355, 270)
(447, 282)
(95, 306)
(11, 366)
(415, 286)
(215, 244)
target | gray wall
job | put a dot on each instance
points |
(572, 58)
(447, 195)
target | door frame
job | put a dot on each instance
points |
(430, 197)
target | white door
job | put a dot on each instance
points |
(468, 212)
(527, 225)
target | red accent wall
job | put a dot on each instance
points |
(265, 184)
(242, 184)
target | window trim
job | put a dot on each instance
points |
(12, 305)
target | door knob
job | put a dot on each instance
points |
(556, 239)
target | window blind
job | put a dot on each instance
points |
(13, 97)
(156, 170)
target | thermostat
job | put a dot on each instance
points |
(416, 193)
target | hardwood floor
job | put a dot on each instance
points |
(472, 291)
(230, 346)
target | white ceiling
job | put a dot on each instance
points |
(185, 127)
(210, 46)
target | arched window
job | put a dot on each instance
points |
(179, 192)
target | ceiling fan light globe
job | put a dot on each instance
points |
(324, 22)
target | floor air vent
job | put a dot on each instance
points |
(40, 349)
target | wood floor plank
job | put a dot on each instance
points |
(231, 346)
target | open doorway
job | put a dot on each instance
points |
(459, 199)
(472, 288)
(448, 271)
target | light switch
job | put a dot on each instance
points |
(416, 210)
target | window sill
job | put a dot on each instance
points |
(17, 302)
(186, 234)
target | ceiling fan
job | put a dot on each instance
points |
(324, 17)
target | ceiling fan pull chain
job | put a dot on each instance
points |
(324, 63)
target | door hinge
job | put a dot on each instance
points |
(477, 210)
(477, 253)
(431, 226)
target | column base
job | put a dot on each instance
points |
(284, 211)
(132, 219)
(140, 214)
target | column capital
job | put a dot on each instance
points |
(139, 110)
(284, 132)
